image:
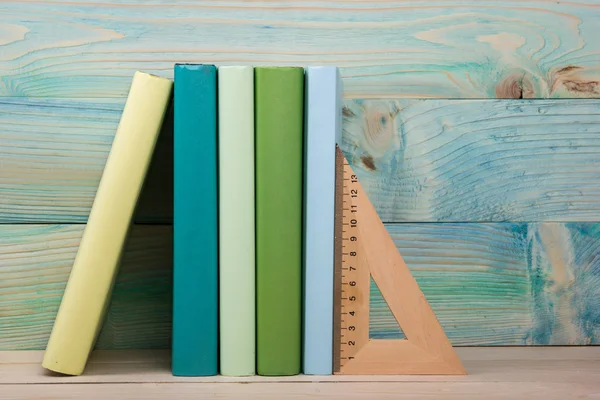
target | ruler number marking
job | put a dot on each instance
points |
(351, 293)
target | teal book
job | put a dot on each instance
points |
(195, 229)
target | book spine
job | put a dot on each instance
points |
(322, 131)
(88, 290)
(236, 222)
(195, 248)
(279, 95)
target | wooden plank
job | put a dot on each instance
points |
(558, 390)
(484, 167)
(489, 284)
(52, 154)
(507, 364)
(19, 367)
(502, 284)
(35, 261)
(418, 48)
(477, 160)
(534, 373)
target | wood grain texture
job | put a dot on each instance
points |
(408, 48)
(502, 284)
(34, 268)
(436, 160)
(507, 373)
(477, 160)
(52, 154)
(489, 284)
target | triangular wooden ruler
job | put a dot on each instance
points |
(364, 249)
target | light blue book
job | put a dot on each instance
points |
(195, 249)
(323, 127)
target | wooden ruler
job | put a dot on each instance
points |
(351, 272)
(364, 250)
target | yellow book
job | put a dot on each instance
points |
(88, 290)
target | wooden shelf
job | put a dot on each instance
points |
(494, 373)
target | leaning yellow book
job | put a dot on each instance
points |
(88, 290)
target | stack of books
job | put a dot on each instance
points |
(254, 189)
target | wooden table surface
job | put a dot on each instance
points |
(502, 197)
(558, 373)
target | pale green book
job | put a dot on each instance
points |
(236, 221)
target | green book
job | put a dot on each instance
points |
(279, 98)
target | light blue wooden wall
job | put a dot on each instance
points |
(35, 265)
(52, 153)
(445, 175)
(418, 48)
(477, 160)
(523, 174)
(502, 283)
